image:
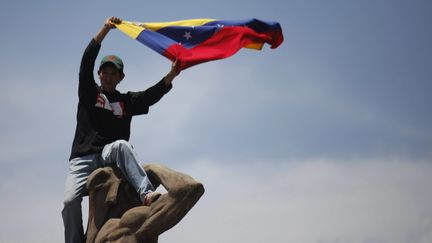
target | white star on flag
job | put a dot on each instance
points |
(187, 35)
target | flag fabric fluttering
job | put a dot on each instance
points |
(196, 41)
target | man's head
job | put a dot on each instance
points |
(110, 73)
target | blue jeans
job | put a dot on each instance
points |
(119, 152)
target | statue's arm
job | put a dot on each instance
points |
(170, 208)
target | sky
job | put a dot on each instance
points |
(326, 139)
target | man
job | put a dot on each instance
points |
(103, 130)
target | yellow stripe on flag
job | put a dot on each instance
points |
(129, 28)
(256, 46)
(155, 26)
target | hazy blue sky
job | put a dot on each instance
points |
(327, 139)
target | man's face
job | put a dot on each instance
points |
(109, 77)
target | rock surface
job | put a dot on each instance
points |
(116, 213)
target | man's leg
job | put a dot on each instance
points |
(79, 170)
(72, 220)
(122, 153)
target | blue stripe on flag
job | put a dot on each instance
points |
(155, 41)
(189, 36)
(255, 24)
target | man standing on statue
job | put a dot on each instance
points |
(103, 129)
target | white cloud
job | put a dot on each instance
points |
(311, 201)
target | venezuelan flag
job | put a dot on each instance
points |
(196, 41)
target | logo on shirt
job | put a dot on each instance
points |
(117, 108)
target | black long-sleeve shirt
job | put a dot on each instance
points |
(103, 118)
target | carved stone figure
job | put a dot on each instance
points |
(116, 213)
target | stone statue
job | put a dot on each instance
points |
(116, 213)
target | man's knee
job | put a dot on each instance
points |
(122, 145)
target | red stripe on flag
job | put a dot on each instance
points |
(222, 44)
